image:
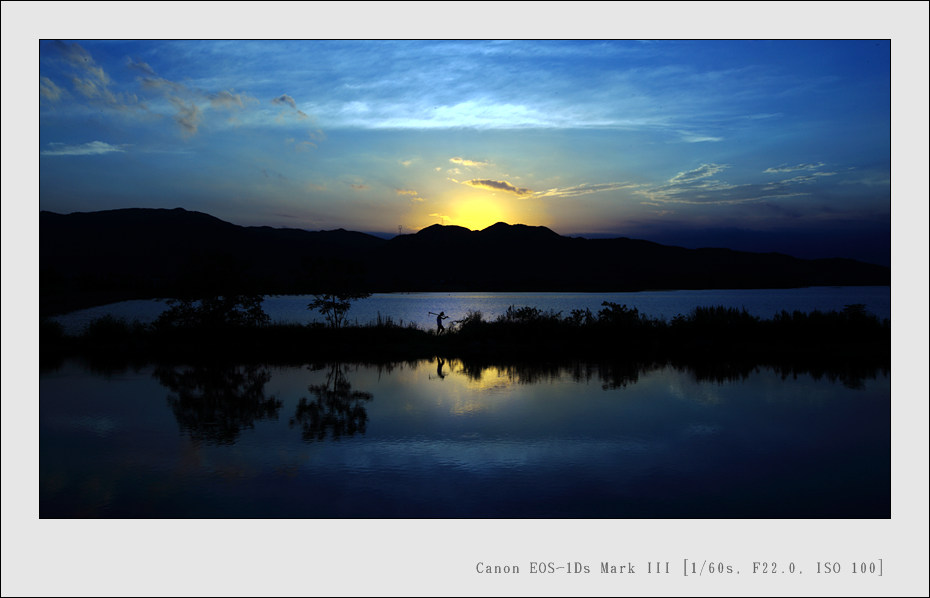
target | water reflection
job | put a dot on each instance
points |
(466, 438)
(214, 404)
(336, 411)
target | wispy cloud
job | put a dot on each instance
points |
(90, 82)
(785, 168)
(476, 114)
(497, 186)
(414, 196)
(698, 187)
(87, 78)
(162, 86)
(81, 60)
(273, 174)
(465, 162)
(584, 189)
(188, 115)
(286, 100)
(49, 90)
(226, 99)
(315, 136)
(806, 178)
(698, 138)
(428, 85)
(810, 173)
(96, 91)
(290, 107)
(701, 172)
(190, 104)
(736, 196)
(141, 66)
(92, 148)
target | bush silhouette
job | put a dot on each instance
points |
(214, 313)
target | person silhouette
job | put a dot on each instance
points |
(439, 318)
(439, 368)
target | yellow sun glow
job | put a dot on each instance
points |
(478, 213)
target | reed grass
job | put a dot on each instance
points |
(703, 334)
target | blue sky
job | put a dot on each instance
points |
(666, 140)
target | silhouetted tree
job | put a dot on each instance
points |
(214, 291)
(333, 306)
(335, 284)
(215, 312)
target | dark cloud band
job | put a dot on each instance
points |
(497, 186)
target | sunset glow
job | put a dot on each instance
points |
(477, 213)
(758, 145)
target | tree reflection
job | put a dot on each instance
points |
(336, 410)
(620, 374)
(215, 403)
(719, 371)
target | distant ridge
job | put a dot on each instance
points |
(137, 252)
(506, 257)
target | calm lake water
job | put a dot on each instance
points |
(415, 307)
(432, 439)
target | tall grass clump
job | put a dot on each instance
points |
(717, 321)
(852, 325)
(530, 324)
(472, 324)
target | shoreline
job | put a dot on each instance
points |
(850, 337)
(57, 305)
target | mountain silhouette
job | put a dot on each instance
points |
(94, 257)
(507, 257)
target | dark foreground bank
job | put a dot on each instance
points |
(706, 334)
